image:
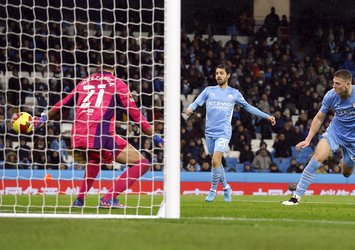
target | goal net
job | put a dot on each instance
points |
(46, 48)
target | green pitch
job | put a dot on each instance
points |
(249, 222)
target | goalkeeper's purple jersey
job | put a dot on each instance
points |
(219, 109)
(343, 123)
(96, 99)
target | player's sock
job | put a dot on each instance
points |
(91, 172)
(307, 177)
(122, 183)
(215, 176)
(222, 178)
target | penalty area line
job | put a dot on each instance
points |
(331, 222)
(302, 202)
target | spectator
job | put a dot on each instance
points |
(26, 89)
(246, 154)
(284, 29)
(39, 154)
(262, 161)
(13, 93)
(205, 166)
(248, 167)
(11, 160)
(280, 121)
(274, 168)
(192, 150)
(263, 146)
(193, 165)
(59, 145)
(272, 22)
(293, 168)
(157, 166)
(24, 153)
(282, 147)
(247, 23)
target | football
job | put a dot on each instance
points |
(22, 123)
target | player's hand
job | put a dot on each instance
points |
(189, 111)
(39, 121)
(158, 141)
(302, 144)
(272, 120)
(14, 117)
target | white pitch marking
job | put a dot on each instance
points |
(272, 220)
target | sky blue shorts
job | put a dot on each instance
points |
(216, 144)
(348, 148)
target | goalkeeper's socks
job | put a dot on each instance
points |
(307, 177)
(215, 176)
(128, 178)
(91, 172)
(222, 178)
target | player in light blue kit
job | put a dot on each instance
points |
(339, 134)
(220, 101)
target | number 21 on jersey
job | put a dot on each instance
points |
(86, 102)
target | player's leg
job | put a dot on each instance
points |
(346, 170)
(91, 172)
(348, 162)
(131, 156)
(139, 166)
(216, 148)
(220, 146)
(322, 153)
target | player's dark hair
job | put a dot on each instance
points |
(225, 67)
(344, 74)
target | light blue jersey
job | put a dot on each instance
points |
(219, 109)
(343, 123)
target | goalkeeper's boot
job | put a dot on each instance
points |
(111, 203)
(227, 194)
(293, 201)
(211, 195)
(78, 202)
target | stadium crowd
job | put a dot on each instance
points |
(46, 61)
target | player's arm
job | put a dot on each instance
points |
(255, 111)
(54, 111)
(315, 125)
(200, 100)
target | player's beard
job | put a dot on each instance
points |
(343, 94)
(221, 82)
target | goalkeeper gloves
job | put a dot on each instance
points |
(14, 117)
(158, 141)
(39, 121)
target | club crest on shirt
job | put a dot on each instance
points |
(354, 104)
(230, 97)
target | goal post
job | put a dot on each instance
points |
(52, 45)
(172, 110)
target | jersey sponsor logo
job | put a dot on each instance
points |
(345, 112)
(220, 105)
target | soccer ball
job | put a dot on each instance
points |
(22, 123)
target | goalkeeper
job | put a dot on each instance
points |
(220, 101)
(96, 98)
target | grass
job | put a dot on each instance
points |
(249, 222)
